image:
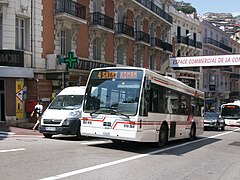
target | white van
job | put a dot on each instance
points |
(63, 113)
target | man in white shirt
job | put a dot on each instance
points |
(38, 110)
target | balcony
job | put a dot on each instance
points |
(124, 30)
(199, 45)
(142, 37)
(215, 43)
(234, 94)
(3, 2)
(70, 11)
(182, 40)
(225, 69)
(192, 43)
(155, 9)
(167, 47)
(156, 43)
(101, 22)
(235, 76)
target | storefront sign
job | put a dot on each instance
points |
(11, 58)
(198, 61)
(70, 60)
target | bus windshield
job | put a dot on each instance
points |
(113, 92)
(231, 111)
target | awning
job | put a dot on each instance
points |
(20, 72)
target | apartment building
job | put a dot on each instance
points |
(15, 57)
(103, 33)
(218, 81)
(62, 40)
(187, 41)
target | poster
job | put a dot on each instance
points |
(19, 99)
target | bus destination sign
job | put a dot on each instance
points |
(117, 74)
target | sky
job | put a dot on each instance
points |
(217, 6)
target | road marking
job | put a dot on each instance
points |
(6, 133)
(12, 150)
(18, 135)
(80, 171)
(95, 142)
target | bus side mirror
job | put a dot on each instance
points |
(147, 84)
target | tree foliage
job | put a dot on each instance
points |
(187, 9)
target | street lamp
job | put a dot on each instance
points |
(179, 39)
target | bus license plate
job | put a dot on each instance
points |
(50, 128)
(106, 133)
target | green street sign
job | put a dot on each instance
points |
(70, 60)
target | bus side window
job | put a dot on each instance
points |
(144, 105)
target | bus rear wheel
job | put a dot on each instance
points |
(193, 132)
(163, 136)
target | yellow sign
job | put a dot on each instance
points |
(19, 99)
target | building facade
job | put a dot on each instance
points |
(16, 65)
(186, 40)
(62, 40)
(192, 37)
(218, 81)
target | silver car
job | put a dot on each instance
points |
(212, 120)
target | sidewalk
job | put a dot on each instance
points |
(20, 130)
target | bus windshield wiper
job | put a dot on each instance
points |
(125, 115)
(104, 108)
(91, 113)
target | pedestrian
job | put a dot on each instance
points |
(38, 109)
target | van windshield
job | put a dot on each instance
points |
(67, 102)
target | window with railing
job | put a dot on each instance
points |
(97, 18)
(70, 7)
(142, 36)
(156, 9)
(122, 28)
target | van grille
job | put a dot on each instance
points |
(52, 121)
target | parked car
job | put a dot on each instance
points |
(212, 120)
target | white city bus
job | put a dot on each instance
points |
(230, 112)
(136, 104)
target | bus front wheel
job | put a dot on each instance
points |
(163, 136)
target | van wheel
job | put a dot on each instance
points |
(223, 128)
(79, 136)
(163, 136)
(48, 135)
